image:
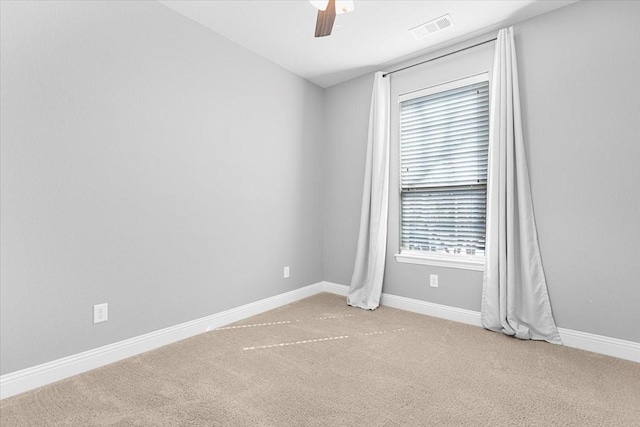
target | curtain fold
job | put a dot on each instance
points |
(515, 300)
(366, 282)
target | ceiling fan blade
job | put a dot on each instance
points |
(324, 23)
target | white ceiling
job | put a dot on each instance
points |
(373, 35)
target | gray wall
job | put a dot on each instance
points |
(581, 101)
(149, 163)
(347, 118)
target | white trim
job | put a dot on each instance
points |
(443, 87)
(335, 288)
(27, 379)
(462, 262)
(456, 314)
(30, 378)
(600, 344)
(416, 306)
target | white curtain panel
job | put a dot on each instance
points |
(366, 282)
(515, 300)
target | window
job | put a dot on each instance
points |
(444, 136)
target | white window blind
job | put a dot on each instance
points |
(444, 135)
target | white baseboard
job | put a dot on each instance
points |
(600, 344)
(46, 373)
(430, 309)
(416, 306)
(615, 347)
(335, 288)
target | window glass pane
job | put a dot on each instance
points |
(445, 220)
(443, 150)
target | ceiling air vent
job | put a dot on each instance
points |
(431, 27)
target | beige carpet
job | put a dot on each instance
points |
(318, 362)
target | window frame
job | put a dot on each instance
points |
(460, 261)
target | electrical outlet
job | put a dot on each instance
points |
(100, 313)
(433, 280)
(286, 272)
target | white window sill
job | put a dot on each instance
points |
(475, 263)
